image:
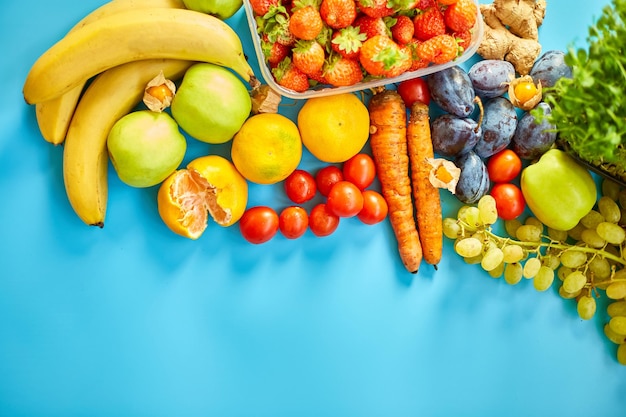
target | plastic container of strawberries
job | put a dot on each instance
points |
(326, 90)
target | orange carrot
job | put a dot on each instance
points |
(388, 141)
(425, 195)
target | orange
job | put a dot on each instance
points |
(334, 128)
(209, 185)
(267, 148)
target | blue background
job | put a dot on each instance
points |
(132, 320)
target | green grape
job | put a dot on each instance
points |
(492, 258)
(600, 267)
(567, 295)
(592, 238)
(557, 235)
(609, 209)
(513, 273)
(511, 226)
(576, 231)
(531, 268)
(563, 272)
(528, 233)
(573, 258)
(574, 282)
(497, 271)
(612, 336)
(592, 219)
(611, 232)
(468, 247)
(535, 222)
(551, 259)
(513, 253)
(621, 354)
(544, 278)
(616, 308)
(471, 216)
(473, 260)
(451, 228)
(487, 209)
(610, 189)
(616, 290)
(586, 307)
(618, 325)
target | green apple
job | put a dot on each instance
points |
(222, 9)
(145, 147)
(211, 104)
(558, 190)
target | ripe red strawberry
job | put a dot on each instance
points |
(461, 15)
(371, 26)
(275, 24)
(463, 39)
(261, 7)
(375, 8)
(429, 23)
(341, 72)
(447, 2)
(439, 49)
(274, 52)
(402, 31)
(308, 56)
(381, 56)
(338, 13)
(305, 22)
(287, 75)
(416, 61)
(348, 41)
(425, 4)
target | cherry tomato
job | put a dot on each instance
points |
(321, 221)
(326, 177)
(359, 170)
(345, 199)
(258, 224)
(414, 90)
(375, 207)
(509, 200)
(300, 186)
(293, 222)
(504, 166)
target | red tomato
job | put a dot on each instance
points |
(293, 222)
(326, 177)
(504, 166)
(258, 224)
(321, 221)
(359, 170)
(345, 199)
(300, 186)
(509, 200)
(375, 207)
(414, 90)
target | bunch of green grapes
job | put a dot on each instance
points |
(586, 260)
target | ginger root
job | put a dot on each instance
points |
(512, 32)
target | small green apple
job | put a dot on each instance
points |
(145, 147)
(211, 103)
(222, 9)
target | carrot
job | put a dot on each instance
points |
(388, 141)
(425, 194)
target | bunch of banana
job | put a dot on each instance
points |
(121, 46)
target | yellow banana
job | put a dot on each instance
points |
(111, 95)
(53, 116)
(131, 36)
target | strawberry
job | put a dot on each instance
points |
(308, 56)
(287, 75)
(446, 2)
(416, 61)
(305, 21)
(438, 49)
(463, 39)
(275, 25)
(338, 13)
(381, 56)
(429, 23)
(274, 52)
(371, 26)
(425, 4)
(461, 15)
(261, 7)
(375, 8)
(402, 31)
(348, 41)
(340, 71)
